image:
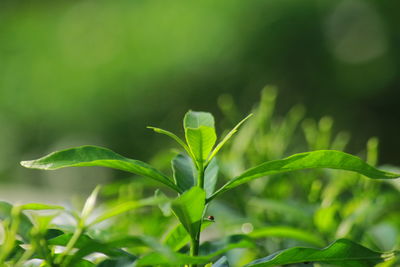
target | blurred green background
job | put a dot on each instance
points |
(98, 72)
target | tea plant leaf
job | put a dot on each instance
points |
(287, 232)
(222, 262)
(173, 136)
(200, 135)
(178, 237)
(211, 177)
(242, 241)
(226, 138)
(189, 209)
(97, 156)
(38, 206)
(343, 253)
(309, 160)
(183, 172)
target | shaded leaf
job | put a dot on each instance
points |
(211, 177)
(25, 225)
(189, 209)
(183, 172)
(309, 160)
(97, 156)
(343, 253)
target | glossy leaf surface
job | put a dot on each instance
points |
(200, 134)
(309, 160)
(343, 253)
(97, 156)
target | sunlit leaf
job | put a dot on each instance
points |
(97, 156)
(343, 253)
(189, 209)
(200, 135)
(309, 160)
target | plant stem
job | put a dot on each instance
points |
(77, 234)
(200, 177)
(194, 248)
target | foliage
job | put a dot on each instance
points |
(191, 196)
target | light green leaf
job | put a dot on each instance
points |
(173, 136)
(201, 141)
(195, 119)
(226, 138)
(183, 171)
(178, 237)
(287, 232)
(25, 225)
(343, 253)
(200, 135)
(189, 209)
(309, 160)
(97, 156)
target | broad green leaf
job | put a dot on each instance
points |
(178, 237)
(343, 253)
(200, 135)
(287, 232)
(117, 262)
(201, 141)
(195, 119)
(183, 171)
(211, 177)
(226, 138)
(309, 160)
(189, 209)
(97, 156)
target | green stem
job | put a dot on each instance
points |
(194, 248)
(77, 234)
(200, 177)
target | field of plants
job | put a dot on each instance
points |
(267, 191)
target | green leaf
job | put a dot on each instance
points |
(309, 160)
(343, 253)
(38, 206)
(183, 172)
(200, 135)
(173, 136)
(189, 209)
(178, 237)
(211, 177)
(226, 138)
(97, 156)
(195, 119)
(222, 262)
(287, 232)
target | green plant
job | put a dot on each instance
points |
(194, 179)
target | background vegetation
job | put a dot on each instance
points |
(99, 72)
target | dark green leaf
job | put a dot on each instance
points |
(189, 209)
(211, 177)
(97, 156)
(343, 253)
(183, 171)
(309, 160)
